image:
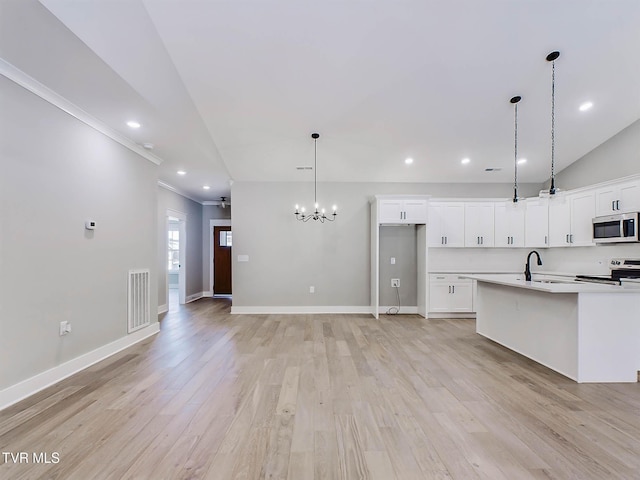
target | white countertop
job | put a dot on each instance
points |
(564, 285)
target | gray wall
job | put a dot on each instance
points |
(56, 173)
(193, 247)
(287, 256)
(210, 212)
(616, 158)
(399, 242)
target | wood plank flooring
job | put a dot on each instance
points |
(215, 396)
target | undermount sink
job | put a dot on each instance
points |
(552, 281)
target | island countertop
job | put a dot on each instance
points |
(552, 284)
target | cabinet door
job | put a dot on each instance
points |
(461, 297)
(478, 225)
(509, 224)
(452, 216)
(390, 211)
(606, 200)
(415, 211)
(559, 222)
(629, 197)
(435, 237)
(536, 229)
(583, 209)
(439, 293)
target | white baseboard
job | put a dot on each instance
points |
(194, 297)
(451, 315)
(163, 308)
(28, 387)
(300, 310)
(207, 294)
(403, 310)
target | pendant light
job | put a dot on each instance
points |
(515, 101)
(552, 58)
(318, 214)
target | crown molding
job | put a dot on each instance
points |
(29, 83)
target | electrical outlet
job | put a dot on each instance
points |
(393, 260)
(395, 282)
(312, 289)
(65, 327)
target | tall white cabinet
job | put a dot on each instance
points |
(399, 210)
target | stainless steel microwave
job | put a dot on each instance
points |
(619, 228)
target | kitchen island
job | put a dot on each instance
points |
(587, 332)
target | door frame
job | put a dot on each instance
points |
(182, 272)
(218, 222)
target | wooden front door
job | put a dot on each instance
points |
(222, 260)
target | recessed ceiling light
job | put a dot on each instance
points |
(133, 124)
(585, 106)
(408, 161)
(181, 172)
(465, 161)
(521, 161)
(206, 187)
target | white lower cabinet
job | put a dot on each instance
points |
(450, 293)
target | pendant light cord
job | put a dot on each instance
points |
(315, 173)
(552, 190)
(515, 155)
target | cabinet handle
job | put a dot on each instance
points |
(571, 238)
(445, 240)
(453, 289)
(613, 204)
(546, 241)
(617, 204)
(449, 288)
(481, 240)
(567, 240)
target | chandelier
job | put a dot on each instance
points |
(318, 213)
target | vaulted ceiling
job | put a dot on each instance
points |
(232, 90)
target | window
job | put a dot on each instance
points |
(174, 250)
(225, 238)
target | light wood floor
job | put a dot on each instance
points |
(322, 397)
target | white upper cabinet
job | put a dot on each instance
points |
(446, 224)
(509, 224)
(570, 218)
(402, 210)
(536, 225)
(618, 198)
(479, 224)
(583, 209)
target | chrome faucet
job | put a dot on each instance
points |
(527, 268)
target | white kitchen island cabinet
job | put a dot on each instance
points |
(587, 332)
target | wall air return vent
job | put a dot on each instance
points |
(138, 300)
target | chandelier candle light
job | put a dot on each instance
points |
(318, 214)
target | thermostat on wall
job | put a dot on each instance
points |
(90, 225)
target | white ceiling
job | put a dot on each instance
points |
(233, 89)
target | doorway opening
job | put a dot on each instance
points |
(176, 271)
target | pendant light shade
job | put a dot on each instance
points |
(318, 213)
(514, 101)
